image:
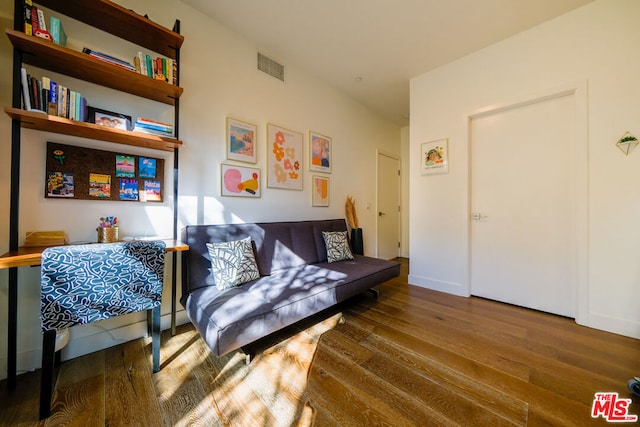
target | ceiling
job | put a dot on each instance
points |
(369, 49)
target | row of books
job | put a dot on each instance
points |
(153, 127)
(158, 68)
(47, 96)
(35, 24)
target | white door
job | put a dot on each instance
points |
(388, 207)
(523, 205)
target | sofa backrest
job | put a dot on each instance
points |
(277, 245)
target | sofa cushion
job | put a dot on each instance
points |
(232, 263)
(337, 246)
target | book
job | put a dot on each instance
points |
(53, 99)
(42, 24)
(57, 31)
(28, 27)
(34, 20)
(26, 99)
(72, 105)
(62, 101)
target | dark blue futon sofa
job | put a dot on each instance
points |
(295, 282)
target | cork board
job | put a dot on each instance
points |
(89, 174)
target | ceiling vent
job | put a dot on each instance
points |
(271, 67)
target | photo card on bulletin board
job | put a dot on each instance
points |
(74, 172)
(284, 158)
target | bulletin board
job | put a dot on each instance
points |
(90, 174)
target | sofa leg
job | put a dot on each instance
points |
(375, 292)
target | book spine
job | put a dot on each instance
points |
(67, 103)
(62, 101)
(28, 27)
(77, 106)
(34, 20)
(83, 109)
(25, 90)
(72, 105)
(53, 99)
(143, 63)
(42, 24)
(149, 66)
(155, 127)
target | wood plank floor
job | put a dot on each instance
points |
(413, 357)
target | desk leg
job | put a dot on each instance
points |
(173, 293)
(12, 333)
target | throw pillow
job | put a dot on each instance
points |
(337, 246)
(233, 263)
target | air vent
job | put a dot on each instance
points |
(271, 67)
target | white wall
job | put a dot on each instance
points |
(597, 44)
(220, 79)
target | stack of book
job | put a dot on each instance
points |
(107, 58)
(47, 96)
(153, 127)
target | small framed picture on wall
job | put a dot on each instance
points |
(240, 181)
(320, 191)
(241, 141)
(319, 152)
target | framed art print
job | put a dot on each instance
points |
(240, 181)
(284, 158)
(434, 157)
(320, 191)
(241, 141)
(319, 152)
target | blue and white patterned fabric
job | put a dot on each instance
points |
(86, 283)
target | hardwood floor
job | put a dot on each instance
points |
(413, 357)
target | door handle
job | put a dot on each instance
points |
(477, 216)
(381, 214)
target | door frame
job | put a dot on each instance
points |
(578, 90)
(377, 207)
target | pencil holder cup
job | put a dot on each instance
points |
(107, 235)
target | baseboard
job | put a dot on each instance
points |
(614, 325)
(439, 285)
(31, 360)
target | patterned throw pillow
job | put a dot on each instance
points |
(337, 246)
(233, 263)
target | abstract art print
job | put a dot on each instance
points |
(320, 191)
(319, 152)
(240, 181)
(241, 141)
(284, 158)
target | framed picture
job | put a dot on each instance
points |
(109, 119)
(320, 191)
(319, 152)
(434, 157)
(241, 141)
(240, 181)
(284, 158)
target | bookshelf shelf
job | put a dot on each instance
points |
(45, 122)
(44, 54)
(121, 22)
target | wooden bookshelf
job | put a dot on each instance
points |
(50, 56)
(120, 21)
(45, 122)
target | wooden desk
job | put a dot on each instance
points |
(27, 257)
(31, 256)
